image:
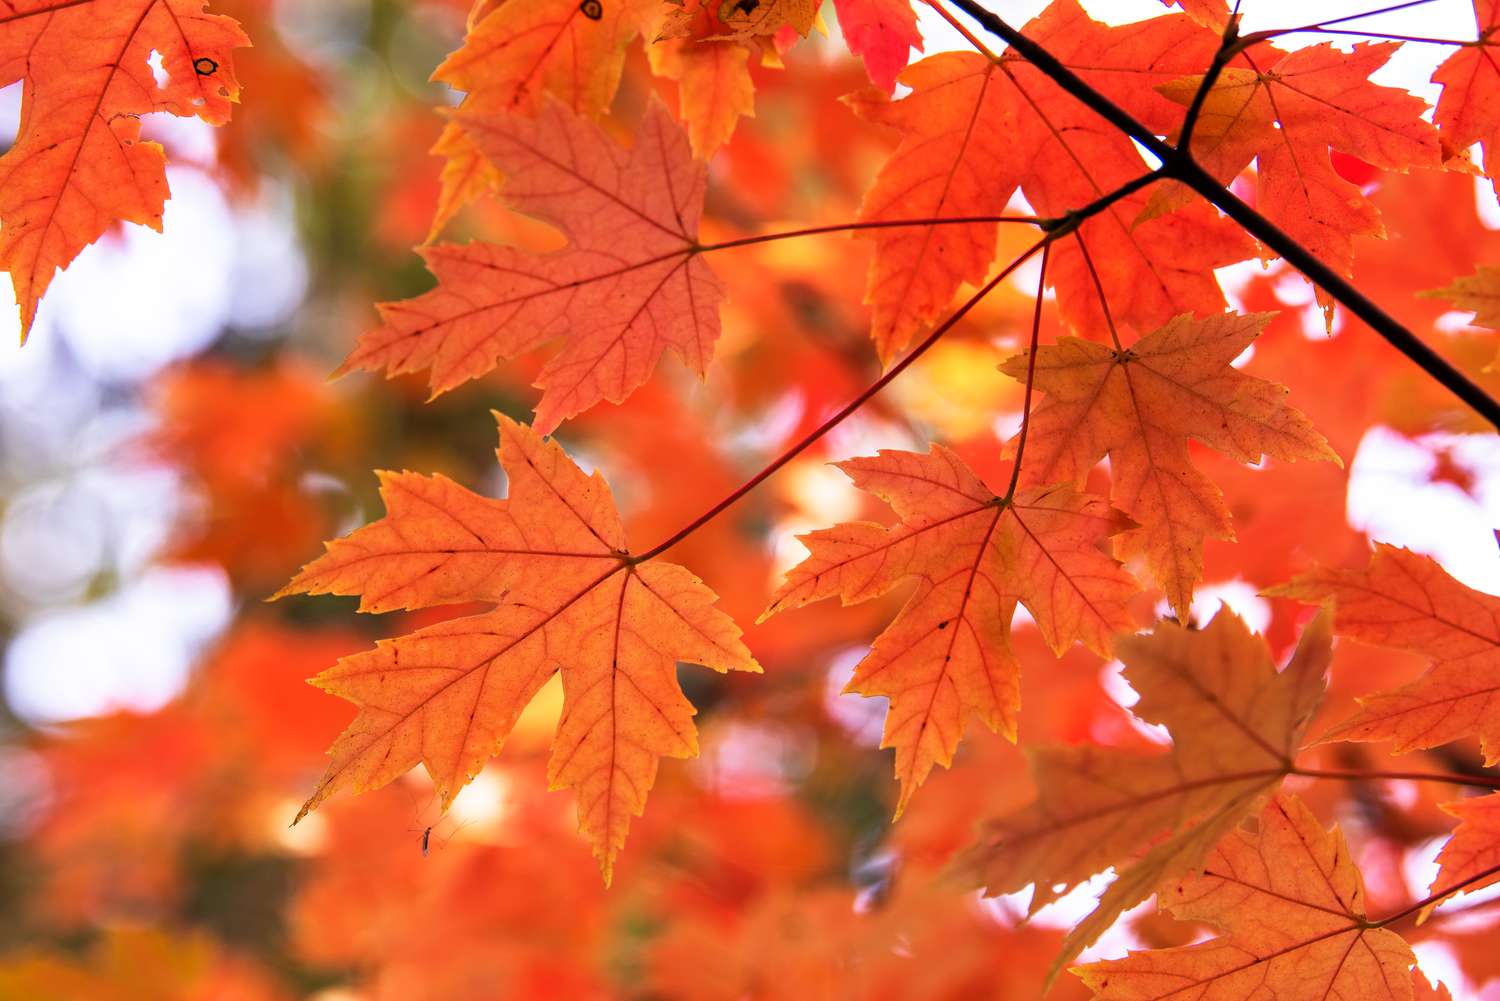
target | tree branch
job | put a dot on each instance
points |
(1179, 165)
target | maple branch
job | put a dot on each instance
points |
(1036, 326)
(1355, 775)
(845, 227)
(1178, 164)
(1435, 898)
(1224, 53)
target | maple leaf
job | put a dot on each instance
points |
(1472, 855)
(714, 87)
(630, 285)
(1140, 405)
(569, 597)
(1292, 906)
(1212, 13)
(953, 161)
(1468, 110)
(973, 556)
(1424, 991)
(973, 129)
(1407, 601)
(1289, 116)
(515, 54)
(707, 20)
(882, 33)
(1235, 724)
(78, 164)
(521, 51)
(1478, 293)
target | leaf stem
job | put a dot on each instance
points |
(848, 408)
(1356, 775)
(1178, 164)
(1055, 229)
(848, 227)
(963, 30)
(1109, 319)
(1225, 52)
(1434, 898)
(1036, 326)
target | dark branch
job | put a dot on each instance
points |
(1180, 166)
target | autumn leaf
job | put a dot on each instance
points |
(1471, 858)
(882, 33)
(1424, 991)
(953, 162)
(1288, 111)
(78, 164)
(1139, 406)
(521, 51)
(1407, 601)
(973, 129)
(973, 556)
(629, 286)
(1468, 110)
(707, 20)
(1213, 13)
(1478, 293)
(1235, 724)
(515, 54)
(568, 596)
(1291, 906)
(714, 87)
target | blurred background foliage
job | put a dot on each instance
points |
(171, 451)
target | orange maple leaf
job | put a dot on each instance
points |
(1468, 110)
(78, 164)
(1140, 405)
(1407, 601)
(1292, 906)
(1288, 112)
(1478, 293)
(569, 597)
(974, 556)
(1471, 857)
(707, 20)
(1235, 724)
(630, 286)
(515, 54)
(714, 87)
(882, 33)
(975, 128)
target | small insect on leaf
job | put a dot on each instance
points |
(592, 9)
(426, 837)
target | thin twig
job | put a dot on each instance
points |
(847, 409)
(1360, 775)
(1109, 319)
(854, 227)
(1036, 327)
